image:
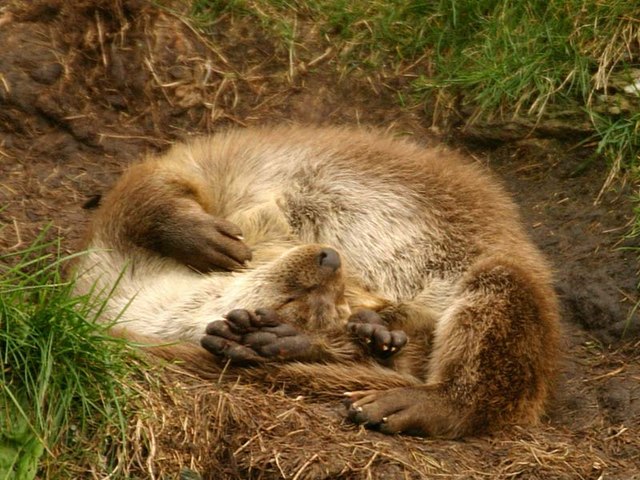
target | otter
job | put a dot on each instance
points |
(317, 253)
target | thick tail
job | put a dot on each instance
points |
(319, 380)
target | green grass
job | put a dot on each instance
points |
(497, 58)
(64, 381)
(543, 57)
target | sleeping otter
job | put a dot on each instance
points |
(318, 252)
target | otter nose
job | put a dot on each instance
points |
(329, 258)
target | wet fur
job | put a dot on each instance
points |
(428, 239)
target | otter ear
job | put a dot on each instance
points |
(93, 202)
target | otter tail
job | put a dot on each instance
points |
(320, 380)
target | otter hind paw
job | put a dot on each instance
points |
(370, 329)
(250, 337)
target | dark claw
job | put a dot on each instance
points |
(382, 338)
(368, 327)
(398, 340)
(357, 415)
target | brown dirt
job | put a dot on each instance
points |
(88, 86)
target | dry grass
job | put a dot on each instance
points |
(234, 429)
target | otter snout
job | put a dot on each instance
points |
(329, 258)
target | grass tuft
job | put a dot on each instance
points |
(63, 378)
(493, 59)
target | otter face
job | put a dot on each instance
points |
(305, 285)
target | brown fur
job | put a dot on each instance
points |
(428, 240)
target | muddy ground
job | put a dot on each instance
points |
(86, 87)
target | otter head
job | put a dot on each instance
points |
(305, 285)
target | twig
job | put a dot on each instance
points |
(304, 465)
(318, 59)
(613, 373)
(17, 229)
(101, 40)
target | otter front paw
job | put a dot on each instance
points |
(253, 337)
(203, 242)
(369, 328)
